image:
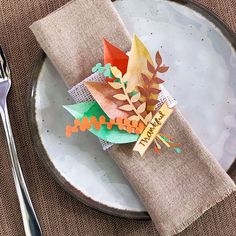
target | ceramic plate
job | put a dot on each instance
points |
(200, 51)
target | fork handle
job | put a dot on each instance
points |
(30, 221)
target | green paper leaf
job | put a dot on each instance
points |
(96, 68)
(89, 109)
(108, 73)
(108, 66)
(101, 70)
(178, 150)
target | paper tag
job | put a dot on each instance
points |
(152, 129)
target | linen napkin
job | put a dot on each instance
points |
(175, 189)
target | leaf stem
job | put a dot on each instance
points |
(138, 114)
(157, 144)
(154, 73)
(149, 85)
(131, 104)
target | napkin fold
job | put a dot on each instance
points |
(176, 189)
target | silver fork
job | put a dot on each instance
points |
(30, 221)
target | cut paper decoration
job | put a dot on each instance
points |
(150, 89)
(137, 65)
(126, 101)
(152, 129)
(105, 70)
(92, 122)
(91, 109)
(115, 57)
(104, 95)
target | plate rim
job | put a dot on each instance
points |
(42, 153)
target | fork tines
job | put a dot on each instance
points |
(4, 69)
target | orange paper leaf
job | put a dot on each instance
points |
(104, 94)
(123, 124)
(115, 56)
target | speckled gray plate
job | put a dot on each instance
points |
(200, 51)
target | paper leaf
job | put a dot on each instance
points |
(126, 107)
(148, 117)
(158, 80)
(141, 108)
(135, 97)
(96, 68)
(130, 88)
(143, 91)
(137, 65)
(108, 73)
(79, 110)
(154, 90)
(116, 72)
(103, 93)
(120, 97)
(163, 69)
(150, 90)
(115, 56)
(150, 67)
(158, 58)
(124, 79)
(145, 79)
(90, 109)
(101, 70)
(152, 102)
(115, 85)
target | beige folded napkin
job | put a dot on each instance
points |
(175, 189)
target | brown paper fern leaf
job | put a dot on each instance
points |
(150, 90)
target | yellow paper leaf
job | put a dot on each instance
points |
(137, 65)
(120, 97)
(130, 87)
(141, 108)
(136, 97)
(115, 85)
(124, 79)
(116, 72)
(126, 107)
(148, 117)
